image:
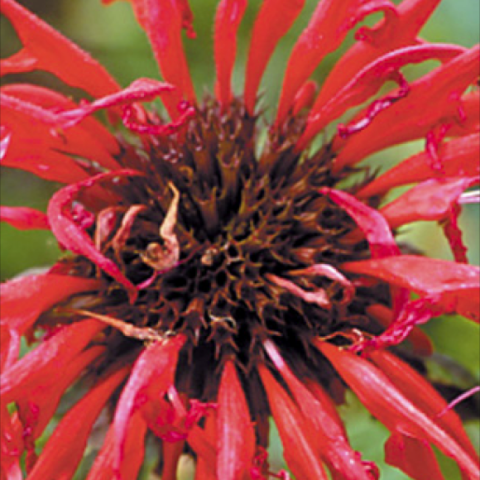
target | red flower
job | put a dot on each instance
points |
(216, 280)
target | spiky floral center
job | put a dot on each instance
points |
(246, 213)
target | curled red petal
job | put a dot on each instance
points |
(65, 448)
(152, 375)
(372, 223)
(391, 33)
(409, 118)
(396, 411)
(46, 49)
(40, 292)
(297, 435)
(24, 218)
(72, 237)
(368, 81)
(228, 18)
(273, 21)
(327, 29)
(458, 157)
(455, 284)
(235, 434)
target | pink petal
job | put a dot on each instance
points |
(46, 49)
(235, 434)
(273, 21)
(24, 218)
(228, 18)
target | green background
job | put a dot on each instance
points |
(112, 35)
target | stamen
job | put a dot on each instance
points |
(459, 399)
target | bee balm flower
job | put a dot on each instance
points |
(216, 280)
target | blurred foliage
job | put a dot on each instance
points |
(113, 37)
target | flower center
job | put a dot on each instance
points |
(228, 220)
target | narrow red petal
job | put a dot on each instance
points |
(421, 392)
(56, 103)
(331, 440)
(51, 355)
(387, 35)
(24, 218)
(297, 435)
(46, 49)
(163, 21)
(430, 200)
(398, 413)
(65, 448)
(39, 293)
(235, 434)
(455, 284)
(412, 456)
(228, 18)
(368, 81)
(372, 223)
(273, 21)
(151, 376)
(327, 29)
(458, 157)
(11, 445)
(73, 237)
(409, 118)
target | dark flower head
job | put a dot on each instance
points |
(221, 272)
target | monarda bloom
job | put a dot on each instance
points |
(221, 274)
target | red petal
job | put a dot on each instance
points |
(51, 355)
(368, 81)
(458, 157)
(391, 407)
(46, 49)
(11, 445)
(421, 392)
(331, 441)
(163, 21)
(430, 200)
(24, 299)
(104, 465)
(273, 21)
(412, 456)
(65, 448)
(72, 237)
(297, 435)
(235, 434)
(24, 218)
(327, 29)
(455, 284)
(387, 35)
(152, 375)
(228, 18)
(370, 221)
(433, 101)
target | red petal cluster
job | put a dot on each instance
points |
(60, 140)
